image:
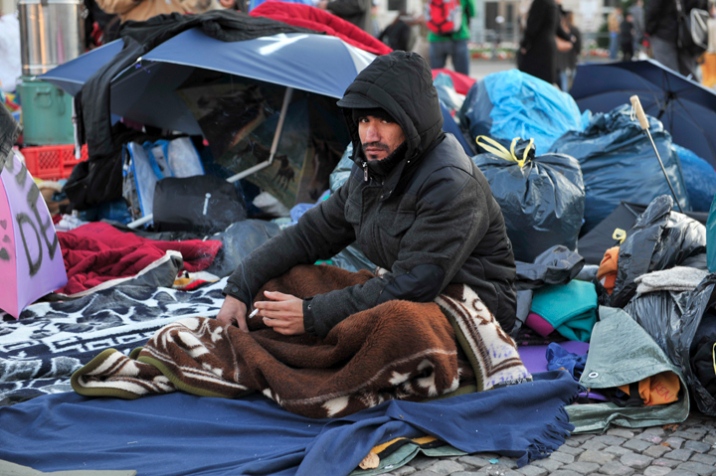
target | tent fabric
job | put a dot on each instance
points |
(711, 237)
(179, 434)
(315, 19)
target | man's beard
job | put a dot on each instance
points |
(375, 145)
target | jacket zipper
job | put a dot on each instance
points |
(365, 171)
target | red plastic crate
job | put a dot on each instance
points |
(52, 162)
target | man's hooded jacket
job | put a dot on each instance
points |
(426, 213)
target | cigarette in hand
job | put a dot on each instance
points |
(253, 313)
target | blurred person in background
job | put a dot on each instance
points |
(571, 57)
(398, 34)
(374, 23)
(138, 10)
(357, 12)
(662, 25)
(614, 20)
(455, 45)
(637, 13)
(626, 37)
(538, 47)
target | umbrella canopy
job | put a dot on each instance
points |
(146, 92)
(72, 75)
(686, 109)
(31, 262)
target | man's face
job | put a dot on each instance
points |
(379, 137)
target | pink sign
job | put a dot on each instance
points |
(31, 264)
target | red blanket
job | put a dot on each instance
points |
(322, 21)
(97, 252)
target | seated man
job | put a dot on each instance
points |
(415, 204)
(329, 342)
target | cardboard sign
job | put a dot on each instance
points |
(31, 262)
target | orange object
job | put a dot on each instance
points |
(708, 70)
(607, 272)
(52, 162)
(658, 389)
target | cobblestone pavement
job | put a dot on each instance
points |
(686, 449)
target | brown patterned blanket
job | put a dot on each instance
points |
(397, 350)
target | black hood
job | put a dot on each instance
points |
(401, 83)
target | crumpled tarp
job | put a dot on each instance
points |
(622, 352)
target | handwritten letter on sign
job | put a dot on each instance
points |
(30, 257)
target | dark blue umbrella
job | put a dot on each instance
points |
(147, 91)
(160, 88)
(72, 75)
(686, 109)
(150, 91)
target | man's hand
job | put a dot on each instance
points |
(232, 311)
(322, 4)
(283, 313)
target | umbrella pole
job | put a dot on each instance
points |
(644, 123)
(75, 133)
(274, 146)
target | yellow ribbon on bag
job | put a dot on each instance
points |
(495, 148)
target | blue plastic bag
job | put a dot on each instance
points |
(145, 164)
(699, 178)
(541, 197)
(619, 164)
(512, 104)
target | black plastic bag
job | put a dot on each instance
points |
(238, 240)
(204, 203)
(608, 232)
(660, 239)
(557, 265)
(672, 319)
(542, 198)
